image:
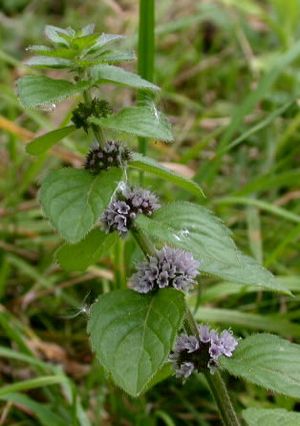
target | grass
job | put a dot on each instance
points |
(230, 84)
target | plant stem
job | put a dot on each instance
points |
(146, 47)
(119, 264)
(144, 242)
(190, 323)
(221, 396)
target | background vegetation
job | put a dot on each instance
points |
(230, 84)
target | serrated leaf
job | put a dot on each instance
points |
(36, 91)
(113, 56)
(78, 257)
(88, 29)
(48, 62)
(195, 229)
(140, 121)
(56, 53)
(106, 57)
(59, 35)
(268, 361)
(73, 199)
(164, 373)
(146, 164)
(42, 143)
(110, 73)
(104, 40)
(132, 334)
(270, 417)
(84, 42)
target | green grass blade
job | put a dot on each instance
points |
(270, 208)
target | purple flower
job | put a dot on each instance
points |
(112, 154)
(169, 267)
(201, 353)
(121, 212)
(142, 200)
(228, 343)
(204, 333)
(187, 343)
(185, 370)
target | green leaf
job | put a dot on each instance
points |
(84, 42)
(73, 199)
(196, 229)
(38, 91)
(87, 29)
(164, 373)
(60, 52)
(104, 41)
(42, 143)
(268, 361)
(77, 257)
(132, 334)
(48, 62)
(110, 73)
(59, 35)
(140, 121)
(114, 56)
(147, 164)
(268, 417)
(110, 56)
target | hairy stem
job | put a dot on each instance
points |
(190, 324)
(119, 264)
(221, 396)
(144, 242)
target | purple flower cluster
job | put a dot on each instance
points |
(112, 154)
(197, 354)
(120, 214)
(169, 267)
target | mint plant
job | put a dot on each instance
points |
(140, 330)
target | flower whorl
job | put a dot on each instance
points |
(121, 212)
(198, 354)
(169, 267)
(112, 154)
(96, 107)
